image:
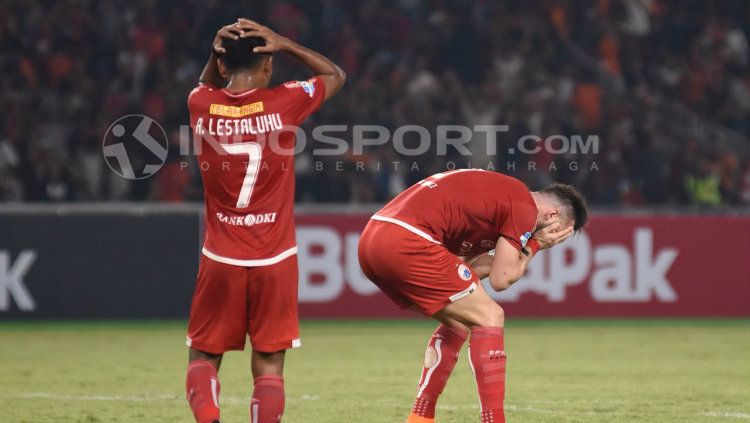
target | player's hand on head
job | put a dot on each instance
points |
(231, 32)
(274, 41)
(552, 234)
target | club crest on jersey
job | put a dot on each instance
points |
(525, 238)
(464, 273)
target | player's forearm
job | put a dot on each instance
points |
(504, 277)
(320, 65)
(481, 271)
(481, 264)
(525, 259)
(210, 74)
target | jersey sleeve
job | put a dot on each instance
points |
(302, 98)
(196, 98)
(518, 226)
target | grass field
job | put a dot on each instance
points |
(558, 371)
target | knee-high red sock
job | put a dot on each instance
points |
(202, 386)
(440, 359)
(267, 405)
(487, 355)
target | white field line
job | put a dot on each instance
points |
(228, 399)
(133, 398)
(508, 407)
(224, 399)
(728, 415)
(304, 397)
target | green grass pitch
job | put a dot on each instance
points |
(558, 371)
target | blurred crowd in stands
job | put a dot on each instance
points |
(664, 85)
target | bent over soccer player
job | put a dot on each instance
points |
(428, 249)
(247, 280)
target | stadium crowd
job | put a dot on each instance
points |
(664, 85)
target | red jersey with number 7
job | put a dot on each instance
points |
(245, 146)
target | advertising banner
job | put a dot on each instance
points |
(97, 265)
(618, 266)
(143, 265)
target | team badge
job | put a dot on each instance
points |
(525, 238)
(464, 273)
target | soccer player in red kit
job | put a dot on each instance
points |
(431, 245)
(247, 279)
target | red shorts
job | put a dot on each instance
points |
(231, 302)
(412, 270)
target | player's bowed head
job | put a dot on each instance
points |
(560, 204)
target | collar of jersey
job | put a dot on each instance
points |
(241, 93)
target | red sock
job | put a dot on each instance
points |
(268, 400)
(487, 355)
(440, 359)
(202, 386)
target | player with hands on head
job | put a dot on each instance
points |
(265, 42)
(244, 133)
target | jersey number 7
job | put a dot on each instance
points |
(254, 153)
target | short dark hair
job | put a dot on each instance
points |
(571, 197)
(238, 54)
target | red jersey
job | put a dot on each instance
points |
(465, 210)
(245, 144)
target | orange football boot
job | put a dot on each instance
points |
(413, 418)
